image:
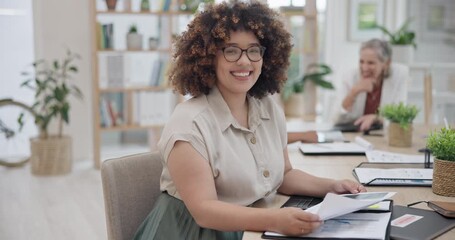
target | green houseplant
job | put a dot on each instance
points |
(400, 127)
(403, 36)
(402, 41)
(51, 82)
(315, 72)
(292, 95)
(442, 145)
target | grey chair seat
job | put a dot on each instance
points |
(131, 184)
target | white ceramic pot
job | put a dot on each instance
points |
(134, 41)
(402, 54)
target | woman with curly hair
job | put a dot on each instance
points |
(225, 148)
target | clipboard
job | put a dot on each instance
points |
(265, 235)
(393, 174)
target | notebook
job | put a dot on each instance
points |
(358, 147)
(418, 224)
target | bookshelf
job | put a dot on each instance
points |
(130, 91)
(124, 94)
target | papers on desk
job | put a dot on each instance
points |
(394, 176)
(358, 147)
(390, 157)
(342, 222)
(335, 205)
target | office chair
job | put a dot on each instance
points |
(131, 184)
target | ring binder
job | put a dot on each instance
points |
(393, 174)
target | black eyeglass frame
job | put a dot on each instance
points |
(261, 48)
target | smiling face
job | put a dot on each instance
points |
(371, 67)
(238, 77)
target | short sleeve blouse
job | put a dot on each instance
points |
(247, 164)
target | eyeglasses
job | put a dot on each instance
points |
(233, 53)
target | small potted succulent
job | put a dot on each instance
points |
(442, 145)
(400, 116)
(133, 38)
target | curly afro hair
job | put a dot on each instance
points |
(193, 69)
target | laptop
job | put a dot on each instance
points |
(350, 127)
(302, 202)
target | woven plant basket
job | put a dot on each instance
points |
(399, 137)
(51, 156)
(444, 178)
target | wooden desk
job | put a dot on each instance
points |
(340, 167)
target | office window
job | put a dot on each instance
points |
(17, 52)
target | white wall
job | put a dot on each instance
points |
(61, 24)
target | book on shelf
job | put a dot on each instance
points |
(112, 111)
(132, 69)
(105, 36)
(153, 108)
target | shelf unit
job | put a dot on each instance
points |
(306, 49)
(127, 94)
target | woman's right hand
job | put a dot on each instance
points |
(295, 221)
(364, 85)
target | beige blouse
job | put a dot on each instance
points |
(247, 164)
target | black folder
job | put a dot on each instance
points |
(430, 226)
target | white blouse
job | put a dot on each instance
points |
(394, 90)
(247, 164)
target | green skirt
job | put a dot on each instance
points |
(170, 219)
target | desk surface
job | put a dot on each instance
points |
(340, 167)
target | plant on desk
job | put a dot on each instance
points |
(442, 146)
(399, 130)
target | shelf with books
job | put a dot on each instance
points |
(130, 89)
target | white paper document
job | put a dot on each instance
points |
(335, 205)
(340, 221)
(350, 226)
(394, 176)
(390, 157)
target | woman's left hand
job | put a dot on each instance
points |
(347, 186)
(365, 121)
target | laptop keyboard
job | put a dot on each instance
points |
(301, 202)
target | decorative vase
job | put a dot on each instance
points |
(134, 41)
(111, 4)
(403, 54)
(293, 106)
(398, 136)
(444, 178)
(51, 156)
(145, 5)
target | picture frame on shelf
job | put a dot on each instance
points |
(363, 17)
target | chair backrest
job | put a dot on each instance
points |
(131, 185)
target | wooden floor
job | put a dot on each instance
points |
(64, 207)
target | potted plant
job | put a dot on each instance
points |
(442, 146)
(133, 38)
(51, 154)
(402, 41)
(293, 89)
(399, 129)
